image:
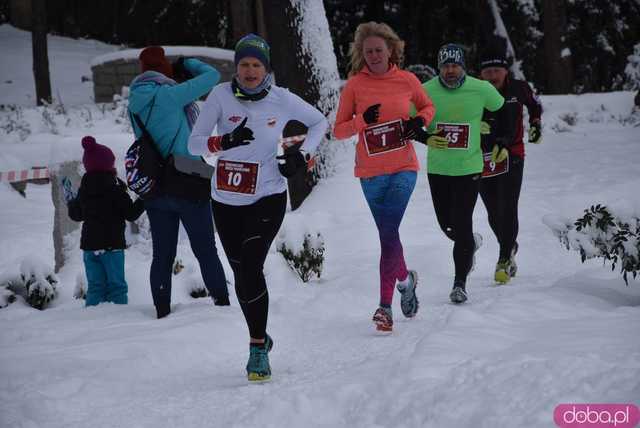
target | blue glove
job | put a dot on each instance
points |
(67, 189)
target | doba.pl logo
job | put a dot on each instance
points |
(596, 415)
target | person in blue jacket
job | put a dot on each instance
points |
(168, 110)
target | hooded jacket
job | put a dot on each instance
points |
(168, 123)
(396, 91)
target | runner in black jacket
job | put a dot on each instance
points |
(503, 146)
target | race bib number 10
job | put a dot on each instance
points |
(237, 177)
(456, 133)
(384, 137)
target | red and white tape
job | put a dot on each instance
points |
(290, 141)
(25, 174)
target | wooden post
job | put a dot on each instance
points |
(62, 224)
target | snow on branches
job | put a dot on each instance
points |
(302, 248)
(35, 281)
(602, 233)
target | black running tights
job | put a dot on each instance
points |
(500, 195)
(454, 199)
(246, 233)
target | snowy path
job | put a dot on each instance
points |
(562, 332)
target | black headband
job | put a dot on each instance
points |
(494, 62)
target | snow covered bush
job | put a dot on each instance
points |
(6, 297)
(177, 266)
(17, 123)
(632, 70)
(197, 289)
(80, 290)
(194, 284)
(12, 121)
(36, 283)
(305, 258)
(422, 71)
(602, 233)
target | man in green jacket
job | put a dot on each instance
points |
(454, 155)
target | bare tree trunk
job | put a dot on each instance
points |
(243, 14)
(20, 14)
(40, 52)
(303, 61)
(374, 11)
(501, 31)
(298, 62)
(261, 25)
(559, 75)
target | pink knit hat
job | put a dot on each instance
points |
(96, 156)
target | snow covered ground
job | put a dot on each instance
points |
(561, 332)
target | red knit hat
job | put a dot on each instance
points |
(96, 156)
(152, 58)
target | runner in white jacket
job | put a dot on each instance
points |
(249, 185)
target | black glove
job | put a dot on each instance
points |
(180, 73)
(290, 163)
(534, 133)
(371, 114)
(412, 129)
(241, 136)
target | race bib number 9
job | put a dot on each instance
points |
(491, 169)
(456, 133)
(384, 137)
(237, 177)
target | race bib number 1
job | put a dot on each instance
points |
(237, 177)
(491, 169)
(384, 137)
(456, 133)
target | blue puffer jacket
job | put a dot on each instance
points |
(168, 118)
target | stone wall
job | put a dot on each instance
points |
(109, 77)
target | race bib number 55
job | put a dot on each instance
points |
(456, 133)
(384, 137)
(237, 176)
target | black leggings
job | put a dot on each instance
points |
(246, 233)
(454, 199)
(500, 195)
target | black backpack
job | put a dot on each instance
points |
(143, 162)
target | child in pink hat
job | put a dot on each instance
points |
(103, 204)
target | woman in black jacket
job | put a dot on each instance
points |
(103, 204)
